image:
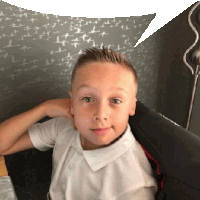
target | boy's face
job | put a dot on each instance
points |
(103, 96)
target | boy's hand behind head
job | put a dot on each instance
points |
(59, 108)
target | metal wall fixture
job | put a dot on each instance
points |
(194, 58)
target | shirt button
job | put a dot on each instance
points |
(79, 153)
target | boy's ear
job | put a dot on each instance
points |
(72, 108)
(133, 107)
(70, 93)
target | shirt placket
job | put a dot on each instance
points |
(71, 166)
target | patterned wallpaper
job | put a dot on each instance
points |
(38, 52)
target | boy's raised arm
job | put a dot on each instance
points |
(13, 129)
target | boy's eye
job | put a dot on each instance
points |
(86, 98)
(114, 100)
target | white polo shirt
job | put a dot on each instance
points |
(120, 171)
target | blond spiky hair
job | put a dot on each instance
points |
(103, 55)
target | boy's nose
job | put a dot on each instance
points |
(99, 118)
(101, 113)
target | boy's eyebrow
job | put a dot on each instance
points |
(88, 86)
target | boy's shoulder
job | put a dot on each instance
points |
(56, 125)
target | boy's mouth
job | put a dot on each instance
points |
(100, 131)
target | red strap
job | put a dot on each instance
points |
(157, 166)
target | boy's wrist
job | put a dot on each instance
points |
(43, 109)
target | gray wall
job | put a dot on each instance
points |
(175, 81)
(195, 116)
(169, 82)
(173, 77)
(38, 52)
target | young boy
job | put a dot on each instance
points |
(96, 156)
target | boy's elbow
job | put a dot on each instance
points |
(2, 150)
(1, 147)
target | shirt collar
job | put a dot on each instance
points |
(101, 157)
